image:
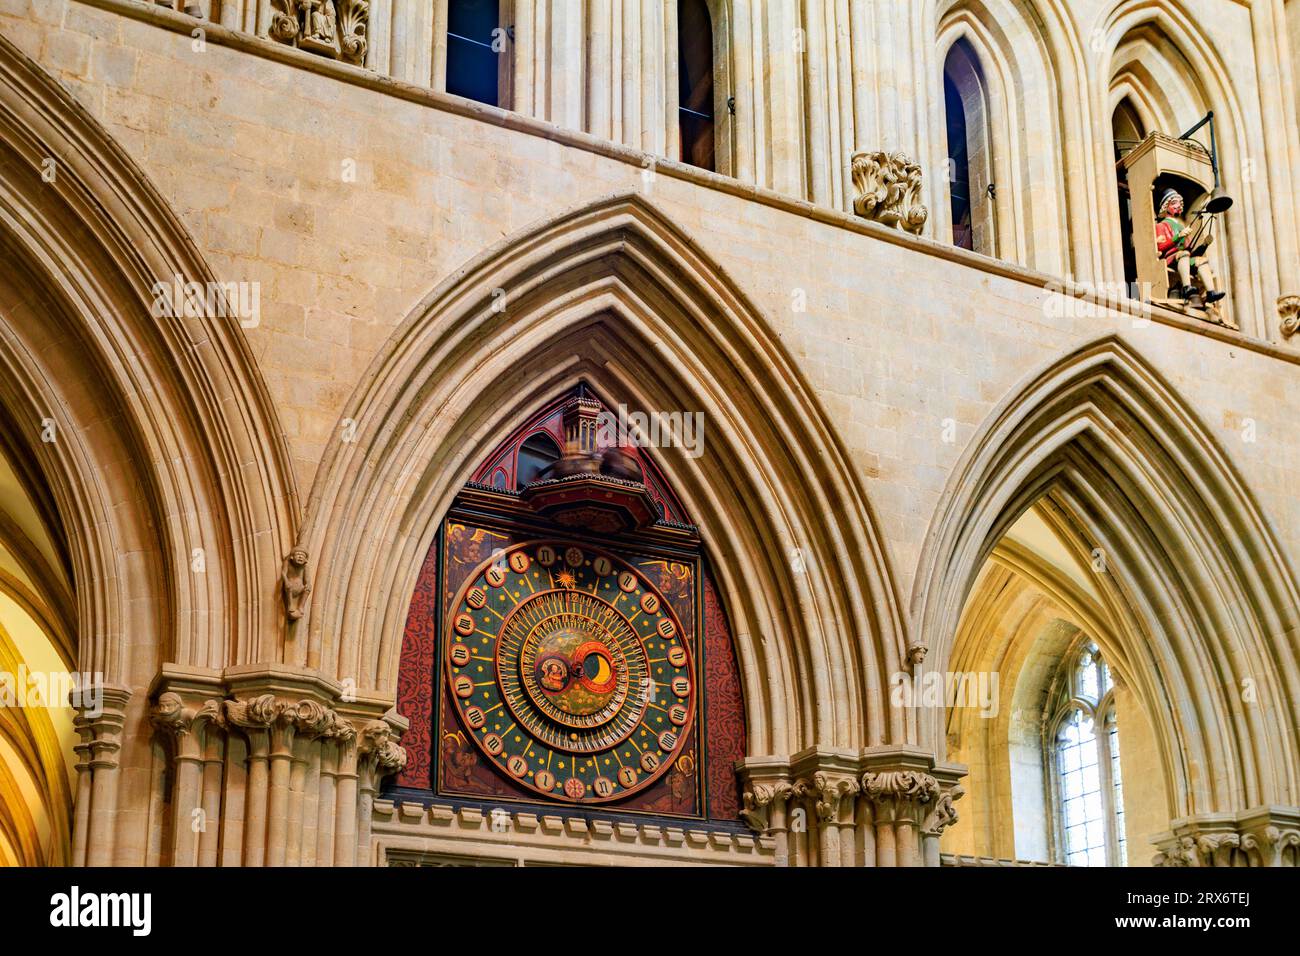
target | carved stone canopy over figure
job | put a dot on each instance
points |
(1183, 246)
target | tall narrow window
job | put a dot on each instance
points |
(473, 48)
(970, 151)
(1085, 761)
(1128, 131)
(695, 82)
(958, 166)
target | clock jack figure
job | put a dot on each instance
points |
(1183, 247)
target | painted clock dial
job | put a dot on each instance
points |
(570, 671)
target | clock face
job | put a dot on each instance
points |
(570, 671)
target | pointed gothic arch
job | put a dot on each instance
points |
(1204, 595)
(146, 437)
(615, 294)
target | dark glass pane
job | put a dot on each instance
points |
(535, 454)
(959, 160)
(695, 82)
(471, 61)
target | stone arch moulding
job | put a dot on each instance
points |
(614, 293)
(166, 439)
(1208, 593)
(190, 408)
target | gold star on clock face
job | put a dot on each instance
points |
(565, 579)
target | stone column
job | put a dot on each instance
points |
(834, 796)
(765, 803)
(189, 726)
(378, 756)
(899, 800)
(780, 75)
(889, 814)
(345, 817)
(600, 69)
(268, 762)
(98, 752)
(255, 719)
(1277, 104)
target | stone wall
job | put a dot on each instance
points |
(896, 336)
(345, 196)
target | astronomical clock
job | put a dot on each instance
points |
(566, 644)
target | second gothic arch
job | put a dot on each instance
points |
(1194, 574)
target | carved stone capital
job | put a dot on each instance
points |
(942, 813)
(276, 722)
(1270, 845)
(833, 792)
(758, 800)
(184, 722)
(378, 752)
(888, 189)
(899, 794)
(255, 713)
(1262, 836)
(825, 791)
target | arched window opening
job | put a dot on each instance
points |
(1085, 760)
(970, 154)
(695, 83)
(1128, 131)
(959, 166)
(473, 50)
(536, 454)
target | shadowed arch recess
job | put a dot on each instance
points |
(615, 294)
(164, 439)
(1206, 594)
(168, 439)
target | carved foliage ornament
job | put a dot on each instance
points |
(758, 799)
(333, 28)
(307, 717)
(378, 744)
(888, 189)
(1288, 307)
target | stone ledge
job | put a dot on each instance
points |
(446, 834)
(359, 76)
